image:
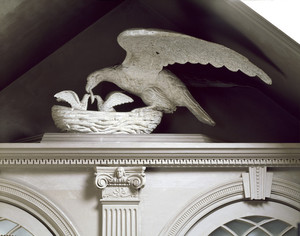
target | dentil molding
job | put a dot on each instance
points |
(152, 150)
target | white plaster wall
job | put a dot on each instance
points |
(165, 194)
(168, 191)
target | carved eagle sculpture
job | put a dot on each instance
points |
(142, 72)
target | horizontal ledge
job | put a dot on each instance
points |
(148, 147)
(171, 160)
(120, 202)
(146, 150)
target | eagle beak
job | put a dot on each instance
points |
(92, 96)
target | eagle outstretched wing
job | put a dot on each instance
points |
(149, 50)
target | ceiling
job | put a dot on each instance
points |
(50, 46)
(270, 10)
(31, 30)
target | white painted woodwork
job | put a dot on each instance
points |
(120, 219)
(181, 171)
(120, 199)
(257, 183)
(241, 209)
(24, 219)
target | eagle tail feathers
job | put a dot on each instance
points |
(197, 110)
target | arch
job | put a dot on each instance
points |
(252, 224)
(282, 191)
(13, 219)
(39, 206)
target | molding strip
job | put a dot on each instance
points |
(153, 161)
(148, 151)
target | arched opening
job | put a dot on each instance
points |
(33, 207)
(16, 221)
(248, 218)
(206, 212)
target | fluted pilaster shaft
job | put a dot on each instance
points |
(120, 199)
(120, 220)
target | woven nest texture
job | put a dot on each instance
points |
(138, 121)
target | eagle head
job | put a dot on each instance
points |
(109, 74)
(92, 81)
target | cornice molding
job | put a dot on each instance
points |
(152, 161)
(149, 151)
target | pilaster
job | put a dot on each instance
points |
(120, 199)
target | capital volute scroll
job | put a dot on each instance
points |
(137, 181)
(120, 182)
(102, 180)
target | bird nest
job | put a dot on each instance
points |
(138, 121)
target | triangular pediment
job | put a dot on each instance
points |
(245, 109)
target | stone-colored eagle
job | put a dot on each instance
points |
(142, 72)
